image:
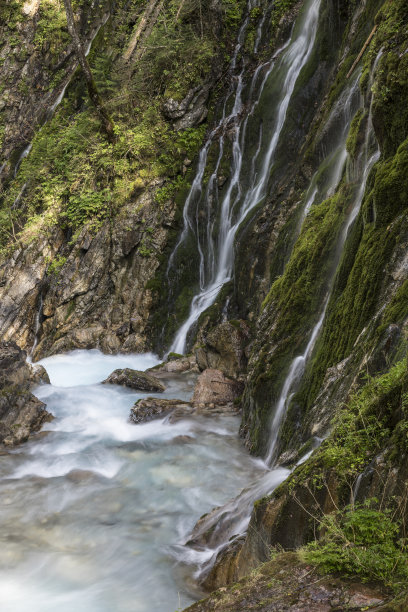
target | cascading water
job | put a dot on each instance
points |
(368, 157)
(231, 521)
(216, 270)
(90, 506)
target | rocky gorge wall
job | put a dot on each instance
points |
(84, 222)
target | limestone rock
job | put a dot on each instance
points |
(213, 387)
(148, 409)
(224, 349)
(39, 375)
(21, 413)
(176, 366)
(135, 379)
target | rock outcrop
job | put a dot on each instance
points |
(21, 413)
(286, 584)
(224, 348)
(135, 379)
(99, 296)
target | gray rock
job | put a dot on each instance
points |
(134, 379)
(151, 408)
(21, 413)
(223, 349)
(39, 375)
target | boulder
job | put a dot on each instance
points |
(224, 348)
(21, 413)
(175, 365)
(150, 408)
(39, 375)
(213, 387)
(135, 379)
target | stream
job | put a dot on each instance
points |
(93, 508)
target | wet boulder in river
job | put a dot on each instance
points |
(135, 379)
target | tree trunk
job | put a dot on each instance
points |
(139, 30)
(83, 62)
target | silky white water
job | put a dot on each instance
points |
(92, 509)
(217, 254)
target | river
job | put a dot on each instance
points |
(93, 507)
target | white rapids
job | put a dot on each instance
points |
(91, 508)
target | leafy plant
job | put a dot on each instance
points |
(361, 541)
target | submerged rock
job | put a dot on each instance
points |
(21, 413)
(135, 379)
(151, 408)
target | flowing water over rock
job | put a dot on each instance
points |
(91, 507)
(217, 252)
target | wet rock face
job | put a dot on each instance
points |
(149, 409)
(21, 413)
(213, 387)
(99, 297)
(134, 379)
(224, 348)
(286, 584)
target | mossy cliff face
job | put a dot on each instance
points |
(81, 217)
(353, 390)
(369, 273)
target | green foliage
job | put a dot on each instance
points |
(279, 8)
(57, 263)
(360, 429)
(51, 31)
(361, 541)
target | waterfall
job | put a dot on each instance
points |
(229, 522)
(217, 256)
(369, 156)
(334, 160)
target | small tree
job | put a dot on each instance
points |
(90, 82)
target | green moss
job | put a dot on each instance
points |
(356, 133)
(361, 273)
(361, 541)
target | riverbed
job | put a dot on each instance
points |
(94, 508)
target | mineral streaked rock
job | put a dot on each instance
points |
(21, 413)
(135, 379)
